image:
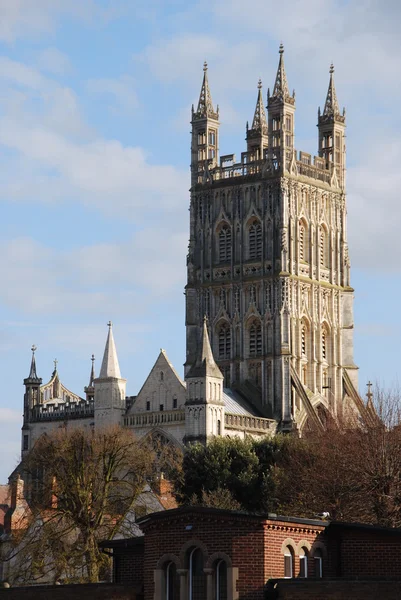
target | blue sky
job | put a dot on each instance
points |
(95, 101)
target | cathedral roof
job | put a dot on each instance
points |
(236, 405)
(110, 366)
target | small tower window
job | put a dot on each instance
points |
(161, 376)
(255, 240)
(225, 244)
(212, 137)
(324, 343)
(174, 402)
(148, 405)
(303, 340)
(318, 564)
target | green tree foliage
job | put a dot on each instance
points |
(245, 468)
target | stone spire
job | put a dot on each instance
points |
(205, 365)
(259, 122)
(331, 108)
(281, 91)
(205, 104)
(110, 366)
(33, 376)
(92, 375)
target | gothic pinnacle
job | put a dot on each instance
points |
(259, 122)
(331, 108)
(280, 90)
(205, 104)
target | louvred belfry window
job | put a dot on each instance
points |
(255, 339)
(255, 240)
(224, 341)
(225, 244)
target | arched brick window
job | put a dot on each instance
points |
(224, 239)
(303, 562)
(255, 240)
(318, 563)
(220, 580)
(288, 562)
(171, 582)
(196, 575)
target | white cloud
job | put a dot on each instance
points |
(54, 61)
(120, 91)
(35, 18)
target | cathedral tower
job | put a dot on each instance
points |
(109, 387)
(31, 399)
(268, 260)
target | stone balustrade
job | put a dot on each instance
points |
(151, 419)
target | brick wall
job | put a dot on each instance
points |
(364, 552)
(239, 537)
(97, 591)
(288, 589)
(128, 566)
(297, 536)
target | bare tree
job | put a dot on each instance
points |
(82, 485)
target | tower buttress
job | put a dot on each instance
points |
(281, 111)
(32, 385)
(331, 124)
(205, 133)
(256, 136)
(109, 387)
(204, 405)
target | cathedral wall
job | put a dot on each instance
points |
(176, 431)
(41, 427)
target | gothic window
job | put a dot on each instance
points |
(255, 373)
(303, 562)
(224, 341)
(212, 137)
(197, 581)
(161, 376)
(174, 402)
(255, 240)
(201, 138)
(255, 339)
(225, 243)
(147, 405)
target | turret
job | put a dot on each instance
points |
(109, 387)
(256, 136)
(31, 399)
(331, 124)
(205, 133)
(90, 389)
(281, 115)
(204, 405)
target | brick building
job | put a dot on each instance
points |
(195, 553)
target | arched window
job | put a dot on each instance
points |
(303, 562)
(161, 376)
(288, 562)
(318, 563)
(224, 341)
(255, 339)
(225, 243)
(171, 582)
(255, 240)
(197, 580)
(324, 344)
(220, 581)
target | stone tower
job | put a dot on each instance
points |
(109, 387)
(268, 259)
(204, 406)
